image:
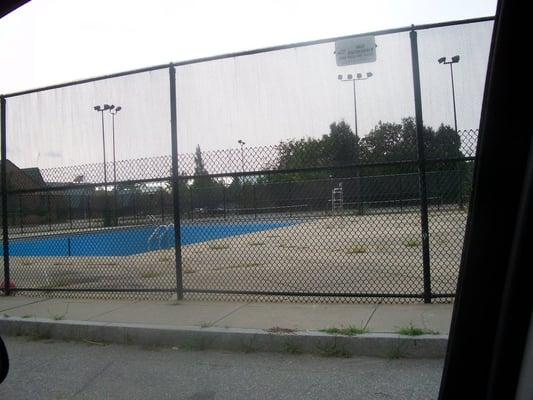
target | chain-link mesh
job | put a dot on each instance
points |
(314, 215)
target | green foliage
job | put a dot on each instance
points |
(347, 331)
(290, 347)
(332, 350)
(339, 147)
(412, 330)
(199, 169)
(412, 243)
(388, 141)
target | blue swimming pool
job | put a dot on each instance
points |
(128, 241)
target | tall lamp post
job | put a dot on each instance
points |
(242, 143)
(353, 79)
(101, 110)
(114, 111)
(242, 152)
(454, 60)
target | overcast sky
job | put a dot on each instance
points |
(262, 99)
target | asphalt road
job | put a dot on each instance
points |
(46, 369)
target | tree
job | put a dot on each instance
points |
(338, 147)
(199, 169)
(341, 146)
(390, 141)
(204, 192)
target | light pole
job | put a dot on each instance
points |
(101, 110)
(358, 77)
(114, 111)
(242, 143)
(242, 152)
(455, 60)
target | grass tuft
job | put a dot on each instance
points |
(356, 249)
(412, 243)
(151, 274)
(219, 246)
(277, 329)
(350, 330)
(395, 353)
(333, 350)
(412, 330)
(290, 347)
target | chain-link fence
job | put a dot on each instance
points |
(102, 203)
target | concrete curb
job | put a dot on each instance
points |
(388, 345)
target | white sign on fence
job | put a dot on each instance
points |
(357, 50)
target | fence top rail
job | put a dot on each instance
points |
(251, 52)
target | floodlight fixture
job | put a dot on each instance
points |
(455, 59)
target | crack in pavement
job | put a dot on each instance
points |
(371, 315)
(232, 312)
(91, 380)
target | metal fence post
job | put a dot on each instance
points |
(190, 203)
(289, 201)
(70, 210)
(21, 214)
(175, 182)
(162, 201)
(461, 169)
(89, 213)
(134, 204)
(421, 167)
(254, 201)
(49, 211)
(224, 199)
(3, 171)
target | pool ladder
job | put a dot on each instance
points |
(158, 235)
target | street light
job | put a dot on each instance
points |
(455, 60)
(242, 152)
(114, 111)
(358, 77)
(101, 110)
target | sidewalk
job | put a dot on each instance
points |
(383, 318)
(167, 323)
